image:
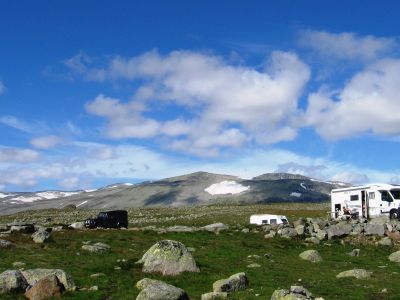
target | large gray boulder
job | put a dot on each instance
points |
(34, 275)
(338, 230)
(168, 258)
(159, 290)
(288, 232)
(12, 281)
(381, 220)
(356, 273)
(374, 229)
(311, 255)
(215, 227)
(234, 283)
(45, 288)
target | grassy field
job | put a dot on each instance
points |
(218, 256)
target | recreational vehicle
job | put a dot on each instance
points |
(366, 201)
(268, 219)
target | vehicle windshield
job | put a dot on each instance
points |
(284, 221)
(102, 215)
(395, 194)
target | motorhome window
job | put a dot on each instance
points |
(272, 221)
(354, 197)
(395, 194)
(385, 196)
(102, 215)
(264, 221)
(371, 195)
(284, 221)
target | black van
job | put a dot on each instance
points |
(109, 219)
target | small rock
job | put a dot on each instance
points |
(395, 257)
(254, 265)
(4, 244)
(159, 290)
(270, 235)
(18, 264)
(94, 288)
(311, 255)
(214, 296)
(77, 225)
(356, 273)
(386, 241)
(313, 240)
(234, 283)
(374, 229)
(96, 275)
(354, 252)
(96, 248)
(41, 236)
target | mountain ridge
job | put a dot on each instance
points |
(198, 188)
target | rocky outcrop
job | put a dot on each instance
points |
(158, 290)
(234, 283)
(168, 258)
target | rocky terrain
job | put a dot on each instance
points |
(193, 253)
(199, 188)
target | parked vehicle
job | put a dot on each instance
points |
(366, 201)
(268, 219)
(109, 219)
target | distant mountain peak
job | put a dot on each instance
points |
(279, 176)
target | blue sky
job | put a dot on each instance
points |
(98, 92)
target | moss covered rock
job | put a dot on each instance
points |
(159, 290)
(168, 258)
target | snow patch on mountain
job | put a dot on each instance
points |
(226, 187)
(303, 185)
(295, 194)
(53, 195)
(27, 198)
(3, 195)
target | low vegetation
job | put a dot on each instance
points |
(217, 255)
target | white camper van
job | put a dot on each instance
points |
(268, 219)
(366, 201)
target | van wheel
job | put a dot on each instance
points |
(394, 214)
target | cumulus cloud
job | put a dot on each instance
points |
(18, 155)
(69, 182)
(28, 177)
(346, 45)
(229, 105)
(45, 142)
(367, 104)
(351, 177)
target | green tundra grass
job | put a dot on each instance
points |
(217, 255)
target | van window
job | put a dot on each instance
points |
(284, 221)
(264, 221)
(385, 196)
(395, 194)
(371, 195)
(354, 197)
(273, 221)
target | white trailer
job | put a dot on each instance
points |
(268, 219)
(366, 201)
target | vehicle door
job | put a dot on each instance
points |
(386, 202)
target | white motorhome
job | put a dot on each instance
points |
(366, 201)
(268, 219)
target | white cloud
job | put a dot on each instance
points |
(46, 142)
(69, 183)
(367, 104)
(16, 123)
(29, 176)
(9, 155)
(346, 45)
(229, 105)
(351, 177)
